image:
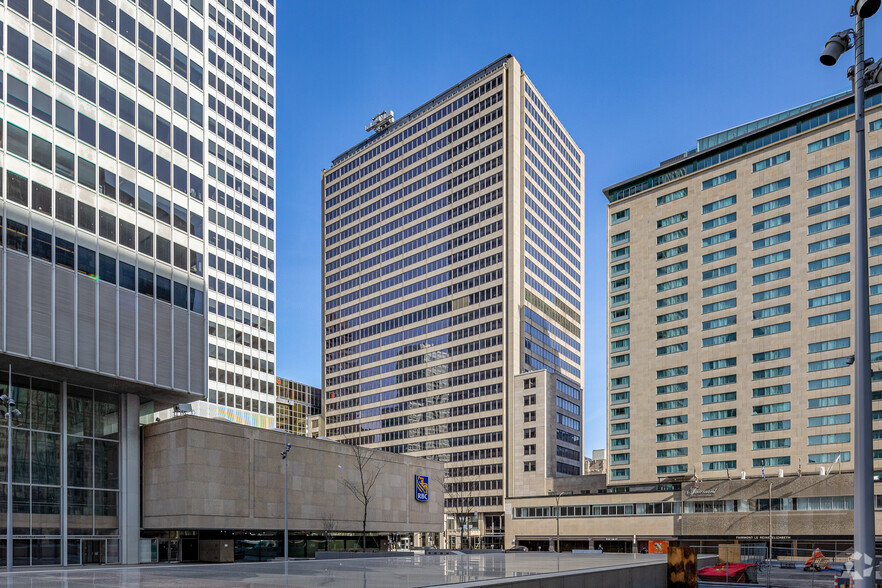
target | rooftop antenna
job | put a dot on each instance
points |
(381, 121)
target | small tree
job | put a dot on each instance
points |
(458, 498)
(362, 488)
(329, 525)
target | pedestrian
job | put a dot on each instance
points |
(600, 547)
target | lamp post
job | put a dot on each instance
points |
(557, 520)
(864, 524)
(284, 454)
(10, 413)
(770, 520)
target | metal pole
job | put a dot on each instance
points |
(864, 524)
(9, 474)
(285, 458)
(770, 522)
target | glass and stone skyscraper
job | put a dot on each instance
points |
(730, 301)
(137, 250)
(452, 264)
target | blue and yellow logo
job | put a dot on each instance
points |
(421, 488)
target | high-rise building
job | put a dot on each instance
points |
(452, 264)
(730, 300)
(295, 404)
(126, 169)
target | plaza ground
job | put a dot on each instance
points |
(392, 572)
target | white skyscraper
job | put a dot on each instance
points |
(138, 246)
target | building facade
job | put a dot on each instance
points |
(730, 301)
(137, 138)
(452, 264)
(296, 403)
(209, 482)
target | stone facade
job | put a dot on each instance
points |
(211, 474)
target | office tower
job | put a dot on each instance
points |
(295, 403)
(103, 289)
(730, 289)
(452, 264)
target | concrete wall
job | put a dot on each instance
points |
(211, 474)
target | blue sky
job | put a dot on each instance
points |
(633, 89)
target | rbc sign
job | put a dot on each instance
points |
(421, 488)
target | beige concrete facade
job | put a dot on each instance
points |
(730, 290)
(214, 475)
(452, 264)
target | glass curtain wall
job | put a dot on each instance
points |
(82, 425)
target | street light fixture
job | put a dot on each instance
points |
(864, 523)
(285, 459)
(10, 413)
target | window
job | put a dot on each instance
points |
(770, 223)
(718, 289)
(772, 240)
(770, 355)
(771, 276)
(718, 340)
(771, 205)
(718, 272)
(722, 179)
(771, 294)
(86, 217)
(831, 345)
(722, 237)
(764, 391)
(829, 205)
(16, 236)
(16, 93)
(771, 187)
(719, 221)
(771, 329)
(64, 253)
(771, 258)
(42, 59)
(41, 154)
(826, 319)
(828, 225)
(771, 161)
(620, 216)
(828, 169)
(828, 142)
(145, 282)
(718, 204)
(772, 311)
(827, 262)
(829, 187)
(671, 220)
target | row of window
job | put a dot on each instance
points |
(103, 267)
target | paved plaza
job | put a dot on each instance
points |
(397, 572)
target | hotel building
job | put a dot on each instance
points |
(137, 250)
(730, 301)
(452, 292)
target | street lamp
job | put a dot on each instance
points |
(10, 413)
(285, 459)
(864, 524)
(557, 517)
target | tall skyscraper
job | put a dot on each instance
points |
(108, 309)
(730, 300)
(452, 264)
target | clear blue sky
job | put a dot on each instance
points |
(633, 89)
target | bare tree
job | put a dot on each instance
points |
(458, 500)
(362, 488)
(329, 525)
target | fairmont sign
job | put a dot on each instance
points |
(691, 492)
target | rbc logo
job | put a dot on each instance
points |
(421, 488)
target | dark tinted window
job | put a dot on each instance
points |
(107, 140)
(107, 225)
(107, 98)
(106, 269)
(64, 253)
(17, 45)
(17, 188)
(87, 42)
(16, 92)
(107, 55)
(41, 198)
(126, 68)
(87, 86)
(41, 245)
(127, 276)
(64, 117)
(127, 192)
(41, 105)
(85, 129)
(42, 59)
(65, 28)
(145, 282)
(127, 26)
(108, 13)
(85, 261)
(86, 217)
(64, 208)
(126, 234)
(65, 73)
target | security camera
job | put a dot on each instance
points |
(866, 8)
(849, 360)
(836, 46)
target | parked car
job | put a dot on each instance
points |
(518, 548)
